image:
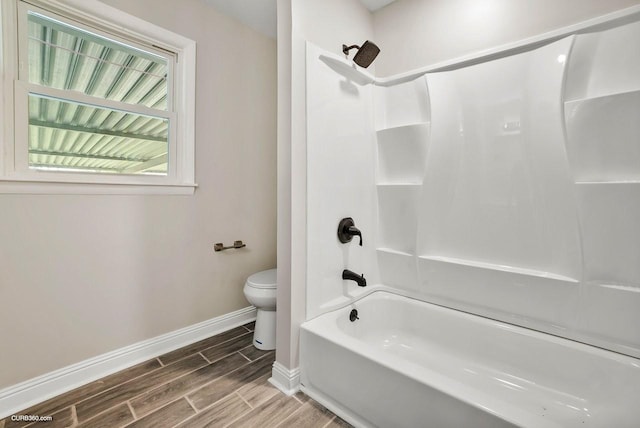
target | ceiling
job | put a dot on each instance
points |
(261, 14)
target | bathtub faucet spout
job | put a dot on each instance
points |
(350, 275)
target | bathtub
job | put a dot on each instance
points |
(407, 363)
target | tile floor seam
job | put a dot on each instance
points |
(93, 394)
(74, 415)
(132, 398)
(203, 349)
(115, 386)
(238, 418)
(222, 375)
(242, 398)
(265, 402)
(170, 403)
(248, 359)
(162, 407)
(204, 409)
(133, 413)
(194, 389)
(102, 413)
(330, 420)
(290, 415)
(223, 343)
(191, 391)
(191, 404)
(205, 358)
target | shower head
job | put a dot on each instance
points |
(365, 55)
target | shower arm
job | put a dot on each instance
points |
(346, 49)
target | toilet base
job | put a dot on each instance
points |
(264, 335)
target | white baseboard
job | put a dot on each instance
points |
(287, 381)
(33, 391)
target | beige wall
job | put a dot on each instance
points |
(418, 33)
(84, 275)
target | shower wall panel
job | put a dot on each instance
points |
(602, 116)
(498, 230)
(509, 188)
(340, 179)
(527, 210)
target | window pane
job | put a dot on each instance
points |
(65, 135)
(65, 57)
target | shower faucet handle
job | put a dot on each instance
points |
(347, 230)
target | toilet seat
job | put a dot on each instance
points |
(267, 279)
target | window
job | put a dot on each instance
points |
(93, 101)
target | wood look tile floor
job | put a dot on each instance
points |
(221, 381)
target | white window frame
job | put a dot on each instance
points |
(99, 18)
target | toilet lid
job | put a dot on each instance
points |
(264, 279)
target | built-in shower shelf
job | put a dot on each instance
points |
(397, 217)
(501, 268)
(399, 184)
(392, 251)
(397, 268)
(611, 97)
(402, 128)
(402, 153)
(602, 138)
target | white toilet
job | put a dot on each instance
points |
(260, 291)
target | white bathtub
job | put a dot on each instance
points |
(406, 363)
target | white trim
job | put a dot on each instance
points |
(91, 101)
(599, 23)
(286, 380)
(8, 71)
(95, 15)
(31, 186)
(23, 395)
(102, 16)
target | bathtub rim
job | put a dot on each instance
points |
(447, 304)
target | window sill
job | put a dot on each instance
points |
(39, 187)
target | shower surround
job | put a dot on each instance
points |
(507, 187)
